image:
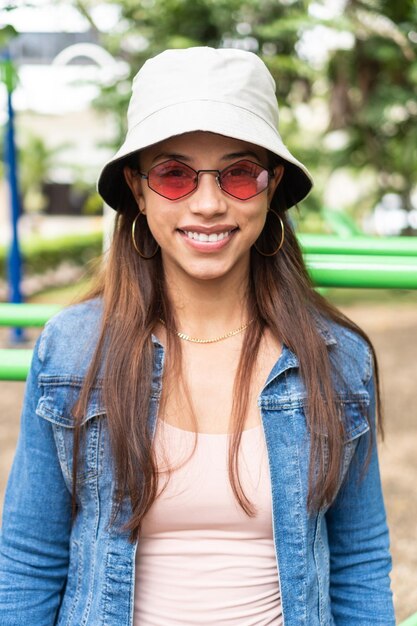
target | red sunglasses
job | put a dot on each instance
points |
(174, 180)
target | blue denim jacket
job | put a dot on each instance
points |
(333, 565)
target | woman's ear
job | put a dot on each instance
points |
(134, 182)
(275, 180)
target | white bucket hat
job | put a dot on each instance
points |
(225, 91)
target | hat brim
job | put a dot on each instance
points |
(210, 116)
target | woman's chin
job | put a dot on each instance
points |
(204, 271)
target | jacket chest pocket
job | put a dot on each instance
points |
(56, 406)
(353, 412)
(288, 438)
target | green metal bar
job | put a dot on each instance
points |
(338, 270)
(327, 270)
(332, 244)
(410, 621)
(14, 364)
(26, 315)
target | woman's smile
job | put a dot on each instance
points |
(206, 239)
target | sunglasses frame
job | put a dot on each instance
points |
(218, 178)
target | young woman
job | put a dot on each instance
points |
(198, 440)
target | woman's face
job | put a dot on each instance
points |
(234, 225)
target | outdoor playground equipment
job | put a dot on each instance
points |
(333, 261)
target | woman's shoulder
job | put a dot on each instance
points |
(68, 341)
(350, 352)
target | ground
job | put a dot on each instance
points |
(393, 329)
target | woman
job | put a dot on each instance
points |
(198, 436)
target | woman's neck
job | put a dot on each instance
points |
(208, 308)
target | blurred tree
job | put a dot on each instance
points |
(373, 95)
(7, 33)
(36, 161)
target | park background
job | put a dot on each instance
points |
(346, 75)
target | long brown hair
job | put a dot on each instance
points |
(280, 297)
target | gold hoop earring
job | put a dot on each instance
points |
(282, 236)
(135, 244)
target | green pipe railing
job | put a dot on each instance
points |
(354, 262)
(327, 270)
(14, 364)
(363, 271)
(332, 244)
(26, 315)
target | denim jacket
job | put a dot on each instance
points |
(333, 565)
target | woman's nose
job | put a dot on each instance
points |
(208, 198)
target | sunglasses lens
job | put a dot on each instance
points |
(244, 179)
(172, 179)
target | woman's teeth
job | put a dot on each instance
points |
(204, 237)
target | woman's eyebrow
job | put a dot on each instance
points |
(169, 156)
(226, 157)
(241, 155)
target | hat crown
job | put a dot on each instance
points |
(228, 76)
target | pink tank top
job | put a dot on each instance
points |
(200, 558)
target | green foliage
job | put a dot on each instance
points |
(36, 161)
(93, 204)
(40, 255)
(373, 90)
(7, 33)
(7, 71)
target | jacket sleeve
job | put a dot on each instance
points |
(360, 560)
(34, 540)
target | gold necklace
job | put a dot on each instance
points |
(231, 333)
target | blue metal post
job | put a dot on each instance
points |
(14, 256)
